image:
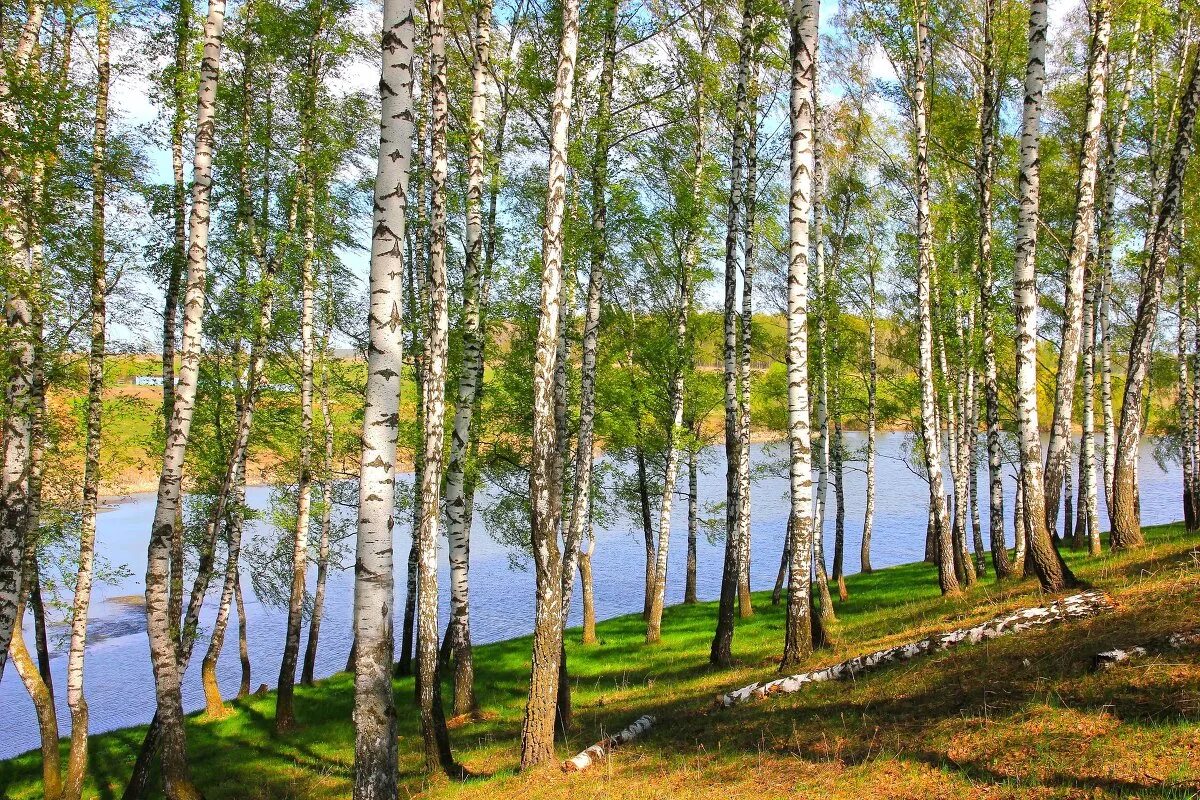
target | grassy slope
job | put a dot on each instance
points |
(1019, 716)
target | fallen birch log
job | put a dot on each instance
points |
(603, 748)
(1077, 606)
(1110, 658)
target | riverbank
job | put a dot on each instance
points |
(1021, 716)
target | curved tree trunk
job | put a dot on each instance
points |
(165, 655)
(15, 439)
(1126, 526)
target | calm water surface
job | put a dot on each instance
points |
(119, 682)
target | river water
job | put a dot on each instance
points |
(119, 683)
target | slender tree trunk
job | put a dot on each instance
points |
(18, 315)
(581, 514)
(839, 499)
(214, 705)
(36, 677)
(798, 633)
(285, 717)
(433, 722)
(545, 488)
(178, 255)
(745, 607)
(1126, 526)
(984, 171)
(1058, 448)
(1105, 240)
(721, 653)
(78, 760)
(689, 584)
(1183, 398)
(644, 499)
(243, 640)
(458, 524)
(165, 656)
(1089, 500)
(682, 357)
(587, 593)
(1051, 571)
(1194, 443)
(822, 359)
(318, 609)
(930, 432)
(374, 702)
(872, 412)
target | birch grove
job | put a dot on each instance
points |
(641, 297)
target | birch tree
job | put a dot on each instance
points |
(1058, 448)
(930, 431)
(77, 762)
(433, 723)
(802, 21)
(18, 317)
(163, 647)
(458, 524)
(1052, 572)
(984, 173)
(374, 703)
(721, 653)
(545, 489)
(1126, 527)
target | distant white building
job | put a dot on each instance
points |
(148, 380)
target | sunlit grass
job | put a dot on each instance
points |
(1017, 716)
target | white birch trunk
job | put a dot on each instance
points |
(802, 19)
(930, 431)
(165, 655)
(18, 317)
(1058, 448)
(458, 524)
(1126, 526)
(374, 702)
(545, 490)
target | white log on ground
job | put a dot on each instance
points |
(603, 748)
(1076, 606)
(1175, 641)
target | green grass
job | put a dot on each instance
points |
(1017, 717)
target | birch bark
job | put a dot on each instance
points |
(1058, 447)
(1126, 527)
(802, 22)
(374, 702)
(537, 730)
(929, 429)
(721, 653)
